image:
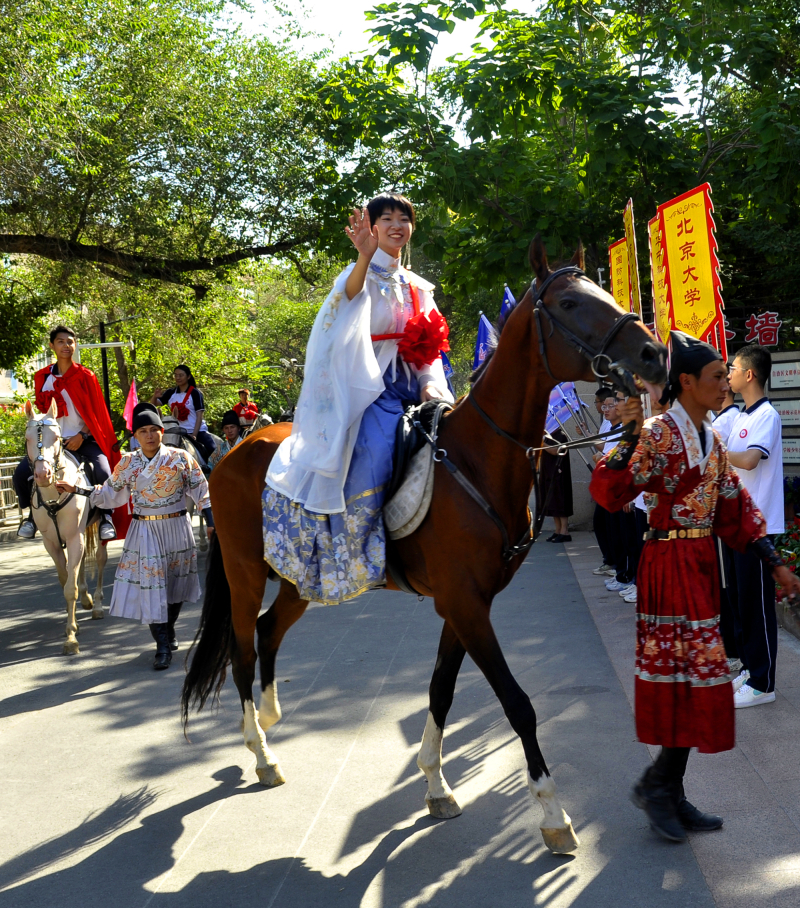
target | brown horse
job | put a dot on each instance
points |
(456, 555)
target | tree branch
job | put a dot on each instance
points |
(125, 266)
(496, 206)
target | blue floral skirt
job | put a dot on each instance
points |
(334, 557)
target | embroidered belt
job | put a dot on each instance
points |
(159, 516)
(678, 534)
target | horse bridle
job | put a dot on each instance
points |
(597, 357)
(51, 508)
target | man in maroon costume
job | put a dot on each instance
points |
(82, 417)
(684, 697)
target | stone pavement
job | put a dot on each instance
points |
(105, 803)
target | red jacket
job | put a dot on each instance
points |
(249, 411)
(84, 391)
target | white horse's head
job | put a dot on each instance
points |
(44, 445)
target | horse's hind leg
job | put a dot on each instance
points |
(439, 797)
(247, 582)
(272, 626)
(470, 620)
(83, 589)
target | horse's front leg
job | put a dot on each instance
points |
(439, 796)
(100, 560)
(469, 616)
(272, 626)
(83, 589)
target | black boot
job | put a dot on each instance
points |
(160, 634)
(693, 819)
(658, 798)
(173, 610)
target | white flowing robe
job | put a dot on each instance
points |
(343, 375)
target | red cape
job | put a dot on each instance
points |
(82, 386)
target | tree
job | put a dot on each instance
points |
(152, 142)
(572, 111)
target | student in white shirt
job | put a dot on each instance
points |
(754, 449)
(724, 420)
(604, 402)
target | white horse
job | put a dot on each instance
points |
(63, 519)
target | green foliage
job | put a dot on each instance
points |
(12, 431)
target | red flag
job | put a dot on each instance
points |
(130, 403)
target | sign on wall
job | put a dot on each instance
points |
(785, 375)
(788, 410)
(791, 450)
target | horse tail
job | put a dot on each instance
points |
(210, 651)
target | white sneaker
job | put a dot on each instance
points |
(739, 680)
(632, 596)
(604, 569)
(625, 591)
(614, 586)
(749, 696)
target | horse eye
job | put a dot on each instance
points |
(567, 304)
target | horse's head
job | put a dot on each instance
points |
(582, 333)
(43, 443)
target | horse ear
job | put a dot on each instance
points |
(28, 409)
(578, 258)
(52, 410)
(538, 258)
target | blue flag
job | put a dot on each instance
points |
(508, 302)
(448, 371)
(485, 341)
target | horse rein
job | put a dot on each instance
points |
(51, 508)
(596, 358)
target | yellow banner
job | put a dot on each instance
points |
(633, 262)
(620, 275)
(690, 262)
(659, 280)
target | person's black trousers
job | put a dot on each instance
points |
(754, 620)
(90, 450)
(727, 599)
(625, 547)
(602, 520)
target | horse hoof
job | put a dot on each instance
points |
(71, 648)
(87, 605)
(97, 614)
(443, 808)
(561, 840)
(270, 776)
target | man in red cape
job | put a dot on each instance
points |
(684, 696)
(82, 417)
(246, 410)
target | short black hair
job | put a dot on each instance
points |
(391, 201)
(758, 359)
(602, 392)
(60, 329)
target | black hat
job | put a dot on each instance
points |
(230, 418)
(689, 355)
(145, 414)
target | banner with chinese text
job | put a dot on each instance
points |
(620, 274)
(661, 311)
(635, 304)
(691, 266)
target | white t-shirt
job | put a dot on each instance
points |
(71, 424)
(611, 441)
(193, 403)
(724, 421)
(759, 427)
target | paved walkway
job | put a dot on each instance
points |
(105, 803)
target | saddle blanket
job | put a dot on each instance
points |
(407, 508)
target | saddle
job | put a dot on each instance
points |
(412, 477)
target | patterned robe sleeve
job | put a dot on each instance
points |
(196, 485)
(737, 520)
(114, 493)
(626, 471)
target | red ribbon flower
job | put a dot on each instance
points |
(424, 337)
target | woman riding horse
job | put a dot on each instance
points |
(374, 349)
(187, 405)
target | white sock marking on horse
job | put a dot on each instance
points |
(544, 790)
(254, 738)
(269, 711)
(429, 759)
